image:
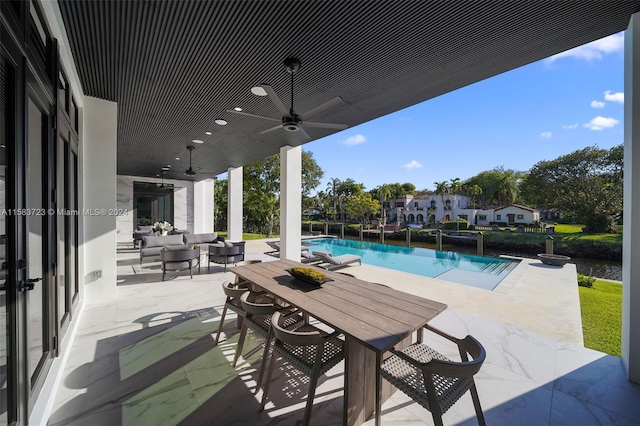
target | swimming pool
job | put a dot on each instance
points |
(477, 271)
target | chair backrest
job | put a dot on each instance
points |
(252, 306)
(177, 255)
(234, 290)
(325, 257)
(465, 368)
(274, 245)
(294, 338)
(224, 250)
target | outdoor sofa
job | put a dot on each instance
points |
(152, 244)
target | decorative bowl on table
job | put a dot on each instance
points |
(309, 275)
(553, 259)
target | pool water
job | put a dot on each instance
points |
(477, 271)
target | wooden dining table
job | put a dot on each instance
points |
(373, 318)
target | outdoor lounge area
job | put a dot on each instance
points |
(116, 114)
(148, 357)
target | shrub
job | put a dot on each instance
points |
(502, 224)
(600, 224)
(585, 281)
(460, 224)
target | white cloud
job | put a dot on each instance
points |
(570, 126)
(546, 135)
(354, 140)
(597, 104)
(614, 97)
(593, 50)
(601, 123)
(412, 165)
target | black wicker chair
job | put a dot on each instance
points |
(307, 348)
(433, 380)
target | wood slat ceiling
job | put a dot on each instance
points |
(173, 67)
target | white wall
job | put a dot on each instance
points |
(631, 229)
(290, 202)
(203, 206)
(528, 216)
(235, 205)
(183, 205)
(99, 138)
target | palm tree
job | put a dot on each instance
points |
(332, 190)
(475, 191)
(455, 187)
(384, 191)
(442, 188)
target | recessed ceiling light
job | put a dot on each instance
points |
(168, 165)
(177, 158)
(197, 141)
(207, 133)
(238, 108)
(166, 169)
(220, 122)
(258, 91)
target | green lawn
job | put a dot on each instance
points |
(568, 228)
(601, 308)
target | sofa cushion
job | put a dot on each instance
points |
(200, 238)
(178, 247)
(149, 241)
(228, 244)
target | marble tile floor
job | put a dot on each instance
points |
(147, 358)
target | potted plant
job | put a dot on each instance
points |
(162, 228)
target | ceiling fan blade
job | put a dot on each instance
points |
(254, 115)
(337, 101)
(275, 99)
(279, 126)
(303, 133)
(326, 125)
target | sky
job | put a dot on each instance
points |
(516, 119)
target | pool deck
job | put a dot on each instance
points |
(534, 296)
(147, 357)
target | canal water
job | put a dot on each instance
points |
(607, 269)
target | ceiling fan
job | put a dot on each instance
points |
(190, 171)
(291, 121)
(162, 184)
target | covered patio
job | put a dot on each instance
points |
(109, 93)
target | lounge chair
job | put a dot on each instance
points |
(336, 262)
(275, 245)
(306, 257)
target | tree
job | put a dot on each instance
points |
(262, 190)
(585, 184)
(332, 192)
(384, 192)
(499, 186)
(474, 192)
(442, 188)
(361, 206)
(221, 203)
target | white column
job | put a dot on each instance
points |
(203, 206)
(99, 149)
(234, 210)
(631, 229)
(290, 202)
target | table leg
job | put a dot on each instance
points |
(363, 382)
